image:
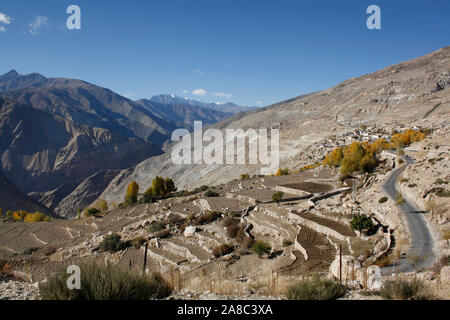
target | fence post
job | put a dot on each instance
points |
(145, 258)
(340, 263)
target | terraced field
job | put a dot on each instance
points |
(301, 242)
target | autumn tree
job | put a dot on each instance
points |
(101, 205)
(169, 186)
(158, 186)
(132, 193)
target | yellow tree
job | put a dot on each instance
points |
(132, 193)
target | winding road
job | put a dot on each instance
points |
(422, 242)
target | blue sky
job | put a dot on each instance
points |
(247, 51)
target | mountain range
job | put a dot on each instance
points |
(415, 92)
(65, 143)
(57, 132)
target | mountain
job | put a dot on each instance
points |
(56, 133)
(85, 193)
(229, 107)
(86, 104)
(13, 199)
(41, 152)
(182, 113)
(415, 92)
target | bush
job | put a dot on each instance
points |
(277, 197)
(30, 251)
(49, 251)
(106, 283)
(206, 218)
(162, 234)
(441, 192)
(112, 243)
(286, 243)
(91, 212)
(156, 226)
(232, 226)
(399, 199)
(383, 200)
(261, 248)
(315, 289)
(36, 217)
(210, 193)
(361, 222)
(101, 205)
(222, 250)
(137, 242)
(414, 289)
(245, 176)
(282, 172)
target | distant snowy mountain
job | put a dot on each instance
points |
(228, 107)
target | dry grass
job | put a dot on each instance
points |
(316, 289)
(105, 283)
(446, 234)
(414, 289)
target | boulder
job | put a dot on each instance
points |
(373, 281)
(155, 243)
(350, 266)
(189, 231)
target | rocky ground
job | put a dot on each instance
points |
(304, 231)
(11, 289)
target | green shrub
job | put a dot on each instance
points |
(286, 243)
(277, 197)
(222, 250)
(162, 234)
(137, 242)
(383, 200)
(206, 218)
(441, 192)
(261, 248)
(210, 193)
(156, 226)
(100, 282)
(245, 176)
(315, 289)
(414, 289)
(30, 251)
(92, 212)
(361, 222)
(113, 243)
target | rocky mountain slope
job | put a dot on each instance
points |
(182, 113)
(86, 104)
(13, 199)
(409, 93)
(41, 152)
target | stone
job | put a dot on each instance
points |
(189, 231)
(350, 267)
(155, 243)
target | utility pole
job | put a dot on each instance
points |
(145, 258)
(340, 263)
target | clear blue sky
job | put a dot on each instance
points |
(249, 50)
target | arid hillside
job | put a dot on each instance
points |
(415, 92)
